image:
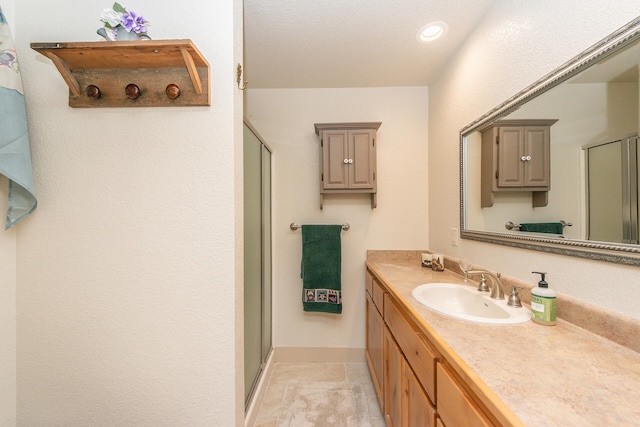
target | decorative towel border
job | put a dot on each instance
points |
(330, 296)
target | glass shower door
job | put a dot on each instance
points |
(257, 258)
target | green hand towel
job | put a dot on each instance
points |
(321, 268)
(542, 227)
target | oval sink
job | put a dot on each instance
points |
(465, 302)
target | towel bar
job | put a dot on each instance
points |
(511, 226)
(295, 226)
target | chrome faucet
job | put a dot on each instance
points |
(496, 288)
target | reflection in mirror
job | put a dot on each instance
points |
(555, 167)
(612, 198)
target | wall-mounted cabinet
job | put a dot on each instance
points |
(348, 158)
(516, 157)
(140, 73)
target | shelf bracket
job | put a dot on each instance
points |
(64, 71)
(193, 72)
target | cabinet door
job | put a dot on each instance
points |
(375, 348)
(361, 159)
(393, 361)
(417, 407)
(455, 407)
(536, 149)
(510, 155)
(523, 157)
(416, 351)
(335, 159)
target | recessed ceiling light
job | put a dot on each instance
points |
(431, 32)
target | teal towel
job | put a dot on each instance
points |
(321, 268)
(542, 227)
(15, 157)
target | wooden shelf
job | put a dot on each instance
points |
(151, 65)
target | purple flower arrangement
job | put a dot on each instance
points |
(118, 18)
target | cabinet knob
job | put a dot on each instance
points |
(525, 158)
(346, 161)
(132, 91)
(350, 161)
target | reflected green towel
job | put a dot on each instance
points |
(321, 268)
(542, 227)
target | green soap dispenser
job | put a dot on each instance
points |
(543, 303)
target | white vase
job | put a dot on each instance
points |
(123, 34)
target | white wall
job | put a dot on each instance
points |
(517, 43)
(7, 291)
(130, 271)
(285, 119)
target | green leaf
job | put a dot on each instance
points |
(118, 8)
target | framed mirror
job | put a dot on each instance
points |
(555, 167)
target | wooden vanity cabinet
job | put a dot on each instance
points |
(417, 408)
(348, 158)
(375, 334)
(417, 384)
(456, 407)
(406, 403)
(409, 372)
(417, 352)
(515, 156)
(393, 366)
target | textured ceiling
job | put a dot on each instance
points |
(351, 43)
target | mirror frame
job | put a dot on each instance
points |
(603, 251)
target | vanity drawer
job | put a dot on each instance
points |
(419, 355)
(377, 295)
(455, 407)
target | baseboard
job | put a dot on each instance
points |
(251, 412)
(320, 354)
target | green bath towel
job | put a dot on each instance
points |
(321, 268)
(542, 227)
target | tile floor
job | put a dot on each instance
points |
(319, 395)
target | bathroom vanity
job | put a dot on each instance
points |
(432, 370)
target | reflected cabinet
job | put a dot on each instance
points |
(515, 157)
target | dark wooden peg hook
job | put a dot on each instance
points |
(132, 91)
(172, 91)
(93, 92)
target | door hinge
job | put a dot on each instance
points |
(497, 174)
(498, 139)
(374, 176)
(321, 177)
(374, 142)
(322, 143)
